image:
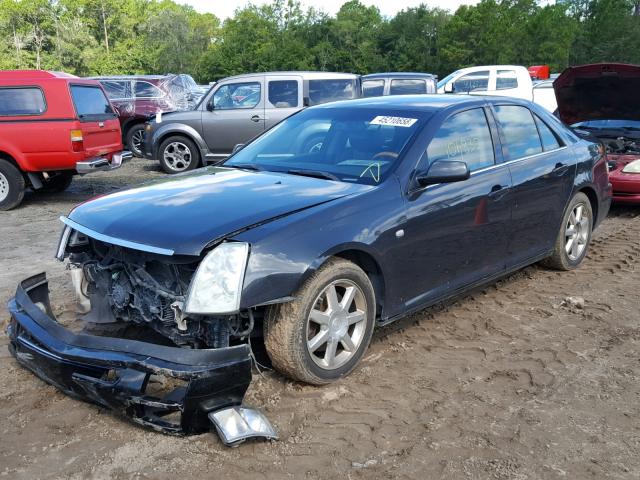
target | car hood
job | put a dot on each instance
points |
(184, 215)
(603, 91)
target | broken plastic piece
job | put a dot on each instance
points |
(237, 424)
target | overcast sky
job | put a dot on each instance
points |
(225, 8)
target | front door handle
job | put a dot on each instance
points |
(257, 118)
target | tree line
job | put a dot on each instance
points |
(101, 37)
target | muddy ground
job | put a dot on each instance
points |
(510, 382)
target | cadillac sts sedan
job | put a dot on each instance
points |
(405, 202)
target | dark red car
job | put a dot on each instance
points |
(604, 100)
(53, 126)
(137, 98)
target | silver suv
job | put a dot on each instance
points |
(237, 109)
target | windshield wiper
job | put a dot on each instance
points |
(246, 166)
(314, 174)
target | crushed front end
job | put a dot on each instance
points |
(175, 372)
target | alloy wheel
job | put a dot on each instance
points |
(136, 142)
(177, 156)
(336, 324)
(577, 232)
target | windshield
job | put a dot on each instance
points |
(447, 79)
(360, 145)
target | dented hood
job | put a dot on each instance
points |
(602, 91)
(183, 215)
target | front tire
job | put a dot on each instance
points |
(178, 154)
(574, 236)
(134, 139)
(323, 334)
(11, 186)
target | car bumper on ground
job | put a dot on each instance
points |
(103, 163)
(172, 390)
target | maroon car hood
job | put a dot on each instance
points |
(602, 91)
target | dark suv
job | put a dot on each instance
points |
(237, 109)
(139, 97)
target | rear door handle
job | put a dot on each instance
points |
(560, 169)
(498, 191)
(257, 118)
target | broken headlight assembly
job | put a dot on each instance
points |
(217, 283)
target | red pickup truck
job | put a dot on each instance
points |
(53, 126)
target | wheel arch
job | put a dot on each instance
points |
(186, 131)
(593, 200)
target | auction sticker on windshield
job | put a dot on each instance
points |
(395, 121)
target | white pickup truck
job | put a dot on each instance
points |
(500, 80)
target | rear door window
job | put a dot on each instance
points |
(283, 93)
(472, 82)
(22, 101)
(407, 87)
(464, 137)
(373, 88)
(147, 90)
(91, 103)
(520, 132)
(323, 91)
(506, 79)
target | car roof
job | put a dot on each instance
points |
(429, 102)
(398, 75)
(130, 77)
(309, 75)
(33, 75)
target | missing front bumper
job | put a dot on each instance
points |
(119, 373)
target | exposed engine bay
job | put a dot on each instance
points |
(120, 286)
(621, 145)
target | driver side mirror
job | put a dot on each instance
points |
(448, 88)
(444, 171)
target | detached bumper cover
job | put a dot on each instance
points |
(115, 373)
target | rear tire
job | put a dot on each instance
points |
(178, 154)
(134, 138)
(322, 335)
(11, 186)
(57, 183)
(574, 236)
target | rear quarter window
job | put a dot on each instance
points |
(407, 87)
(324, 91)
(22, 101)
(91, 102)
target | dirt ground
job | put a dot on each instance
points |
(510, 382)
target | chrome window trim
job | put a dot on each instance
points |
(116, 241)
(510, 162)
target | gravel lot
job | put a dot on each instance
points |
(510, 382)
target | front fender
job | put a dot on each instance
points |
(285, 253)
(178, 129)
